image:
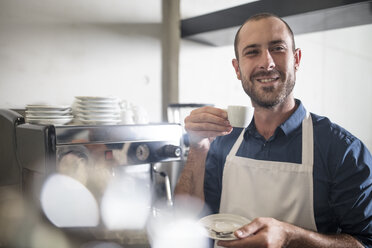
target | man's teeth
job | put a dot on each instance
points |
(266, 80)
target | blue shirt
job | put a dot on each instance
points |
(342, 172)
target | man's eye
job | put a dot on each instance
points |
(278, 48)
(250, 53)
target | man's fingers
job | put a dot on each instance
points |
(249, 229)
(248, 235)
(207, 117)
(251, 241)
(194, 127)
(216, 117)
(211, 110)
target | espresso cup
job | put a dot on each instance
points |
(239, 116)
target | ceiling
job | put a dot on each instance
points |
(106, 11)
(192, 8)
(219, 18)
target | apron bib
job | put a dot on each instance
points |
(281, 190)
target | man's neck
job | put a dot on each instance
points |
(268, 119)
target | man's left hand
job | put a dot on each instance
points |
(261, 232)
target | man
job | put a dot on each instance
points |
(302, 180)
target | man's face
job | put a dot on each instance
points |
(267, 63)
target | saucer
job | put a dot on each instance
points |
(223, 223)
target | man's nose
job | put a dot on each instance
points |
(266, 61)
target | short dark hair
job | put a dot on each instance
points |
(257, 17)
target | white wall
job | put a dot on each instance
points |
(207, 75)
(47, 61)
(334, 77)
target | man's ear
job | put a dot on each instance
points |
(235, 63)
(297, 58)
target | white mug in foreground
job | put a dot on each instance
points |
(239, 116)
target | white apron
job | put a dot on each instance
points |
(281, 190)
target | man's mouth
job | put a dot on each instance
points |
(267, 80)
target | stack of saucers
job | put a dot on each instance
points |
(97, 110)
(48, 114)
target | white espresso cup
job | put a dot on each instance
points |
(239, 116)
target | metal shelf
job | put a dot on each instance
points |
(218, 28)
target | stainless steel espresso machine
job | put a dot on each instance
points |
(91, 155)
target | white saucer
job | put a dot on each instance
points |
(223, 223)
(113, 108)
(61, 121)
(48, 113)
(97, 98)
(100, 112)
(109, 103)
(47, 107)
(50, 117)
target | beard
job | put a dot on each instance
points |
(268, 96)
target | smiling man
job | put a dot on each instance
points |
(302, 180)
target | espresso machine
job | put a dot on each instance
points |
(90, 155)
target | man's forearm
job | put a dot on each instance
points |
(191, 180)
(308, 239)
(269, 232)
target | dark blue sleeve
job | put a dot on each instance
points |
(213, 179)
(351, 192)
(214, 165)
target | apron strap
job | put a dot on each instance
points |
(236, 145)
(307, 141)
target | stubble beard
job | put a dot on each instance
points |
(269, 96)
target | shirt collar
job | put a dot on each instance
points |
(295, 120)
(292, 123)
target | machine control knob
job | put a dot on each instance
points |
(142, 152)
(172, 151)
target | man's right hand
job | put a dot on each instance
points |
(204, 124)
